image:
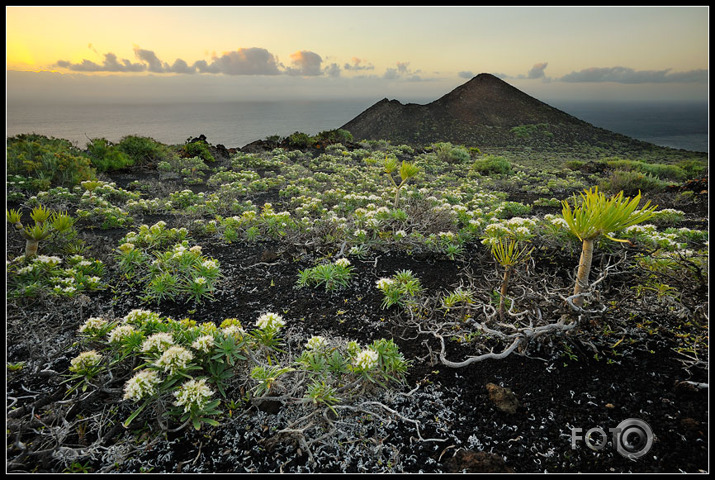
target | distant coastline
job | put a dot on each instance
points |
(236, 124)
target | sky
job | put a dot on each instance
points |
(156, 54)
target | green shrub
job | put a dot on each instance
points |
(492, 164)
(446, 152)
(662, 171)
(693, 168)
(144, 150)
(526, 131)
(49, 161)
(199, 149)
(299, 140)
(330, 137)
(106, 156)
(574, 164)
(630, 183)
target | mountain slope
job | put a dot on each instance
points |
(485, 111)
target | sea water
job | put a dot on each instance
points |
(235, 124)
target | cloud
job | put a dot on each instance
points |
(154, 64)
(357, 65)
(466, 74)
(402, 71)
(537, 71)
(332, 70)
(305, 63)
(630, 76)
(110, 64)
(244, 61)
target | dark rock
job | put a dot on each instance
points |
(503, 398)
(477, 462)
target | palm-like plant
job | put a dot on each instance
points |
(597, 215)
(508, 254)
(39, 231)
(406, 170)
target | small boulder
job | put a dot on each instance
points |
(503, 398)
(476, 462)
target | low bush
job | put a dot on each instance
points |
(449, 153)
(199, 149)
(144, 150)
(630, 183)
(106, 156)
(492, 164)
(48, 161)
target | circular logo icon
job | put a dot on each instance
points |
(635, 438)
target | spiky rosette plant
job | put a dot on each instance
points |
(508, 254)
(406, 170)
(47, 222)
(597, 215)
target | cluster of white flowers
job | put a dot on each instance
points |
(28, 269)
(270, 321)
(157, 342)
(178, 251)
(200, 281)
(556, 220)
(119, 333)
(174, 358)
(85, 361)
(342, 262)
(233, 330)
(139, 316)
(48, 260)
(204, 343)
(209, 264)
(193, 393)
(92, 325)
(316, 343)
(142, 384)
(366, 359)
(384, 282)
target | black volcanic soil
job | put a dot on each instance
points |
(559, 384)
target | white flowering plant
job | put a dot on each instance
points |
(53, 275)
(180, 366)
(401, 289)
(181, 271)
(333, 276)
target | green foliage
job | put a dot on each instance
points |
(658, 170)
(630, 182)
(330, 137)
(177, 272)
(595, 215)
(401, 289)
(574, 164)
(106, 156)
(48, 161)
(48, 224)
(199, 149)
(508, 252)
(45, 275)
(333, 276)
(492, 164)
(529, 130)
(144, 150)
(693, 168)
(446, 152)
(299, 140)
(183, 364)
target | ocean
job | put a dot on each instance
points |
(235, 124)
